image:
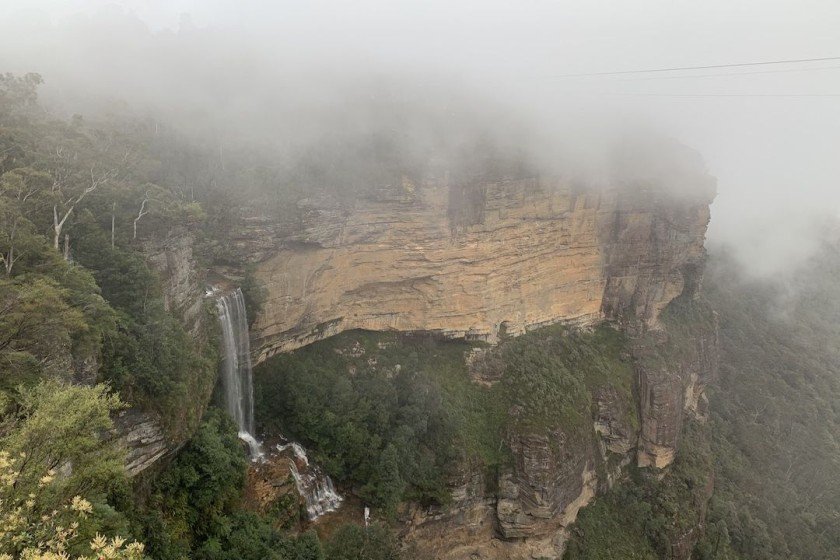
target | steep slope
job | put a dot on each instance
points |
(775, 415)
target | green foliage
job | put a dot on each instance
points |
(349, 420)
(775, 414)
(648, 517)
(192, 500)
(37, 327)
(195, 509)
(612, 528)
(550, 375)
(352, 542)
(393, 414)
(770, 440)
(57, 426)
(102, 308)
(18, 95)
(387, 485)
(35, 526)
(253, 292)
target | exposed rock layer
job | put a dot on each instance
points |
(502, 257)
(474, 261)
(533, 252)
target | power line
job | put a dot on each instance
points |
(678, 68)
(723, 94)
(724, 74)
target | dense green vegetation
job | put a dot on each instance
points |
(195, 509)
(647, 517)
(776, 419)
(78, 303)
(392, 415)
(46, 507)
(82, 205)
(77, 297)
(772, 437)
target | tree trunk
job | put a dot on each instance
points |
(10, 262)
(113, 212)
(140, 214)
(56, 228)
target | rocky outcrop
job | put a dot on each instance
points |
(144, 439)
(526, 509)
(533, 252)
(182, 282)
(405, 264)
(549, 474)
(469, 530)
(674, 365)
(612, 422)
(654, 252)
(528, 513)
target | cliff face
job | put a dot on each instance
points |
(506, 256)
(526, 509)
(674, 366)
(182, 283)
(476, 261)
(480, 260)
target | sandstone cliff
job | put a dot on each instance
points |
(476, 261)
(511, 256)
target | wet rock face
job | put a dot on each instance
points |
(420, 258)
(612, 424)
(654, 251)
(546, 478)
(409, 264)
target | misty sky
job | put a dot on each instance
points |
(777, 158)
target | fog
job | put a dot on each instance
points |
(284, 73)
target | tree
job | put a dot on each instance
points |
(34, 527)
(71, 185)
(36, 328)
(195, 496)
(306, 547)
(18, 95)
(64, 430)
(388, 483)
(19, 194)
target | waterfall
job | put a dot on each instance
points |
(237, 377)
(315, 487)
(238, 383)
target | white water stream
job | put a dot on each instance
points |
(238, 383)
(237, 377)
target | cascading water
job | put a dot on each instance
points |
(238, 383)
(315, 487)
(237, 377)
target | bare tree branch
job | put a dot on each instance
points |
(141, 213)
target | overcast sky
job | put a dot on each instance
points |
(776, 157)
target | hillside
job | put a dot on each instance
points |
(497, 362)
